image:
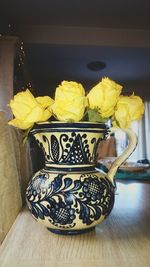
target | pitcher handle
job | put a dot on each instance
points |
(126, 153)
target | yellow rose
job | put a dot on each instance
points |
(103, 97)
(20, 124)
(45, 101)
(70, 102)
(28, 110)
(128, 109)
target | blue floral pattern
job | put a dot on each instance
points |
(63, 199)
(62, 213)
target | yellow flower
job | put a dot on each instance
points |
(45, 101)
(70, 102)
(20, 124)
(103, 97)
(28, 110)
(128, 109)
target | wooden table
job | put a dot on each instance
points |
(122, 240)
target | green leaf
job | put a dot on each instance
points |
(94, 115)
(25, 135)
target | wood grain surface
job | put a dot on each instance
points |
(122, 240)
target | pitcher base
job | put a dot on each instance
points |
(71, 232)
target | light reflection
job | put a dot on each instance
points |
(128, 195)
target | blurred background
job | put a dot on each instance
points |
(45, 42)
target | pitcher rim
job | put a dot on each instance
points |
(80, 124)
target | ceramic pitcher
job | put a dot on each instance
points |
(70, 195)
